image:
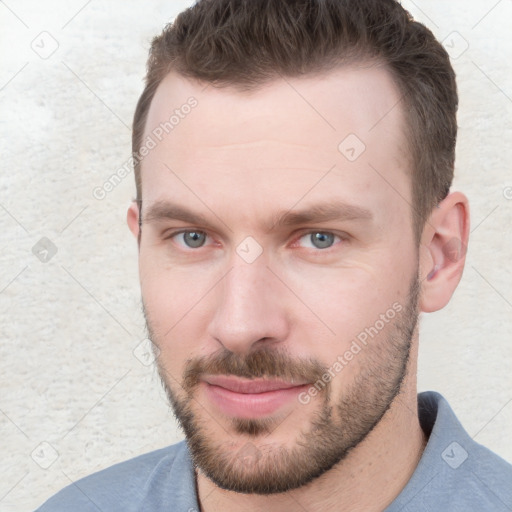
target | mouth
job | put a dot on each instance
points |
(250, 398)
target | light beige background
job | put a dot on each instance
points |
(73, 394)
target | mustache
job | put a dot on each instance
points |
(264, 363)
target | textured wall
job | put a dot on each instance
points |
(74, 396)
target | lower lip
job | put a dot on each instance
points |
(251, 405)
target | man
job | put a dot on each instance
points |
(293, 163)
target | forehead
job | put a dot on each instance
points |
(356, 97)
(279, 139)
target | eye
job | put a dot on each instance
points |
(318, 239)
(190, 239)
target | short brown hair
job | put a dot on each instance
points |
(245, 43)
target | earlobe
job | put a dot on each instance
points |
(443, 251)
(132, 219)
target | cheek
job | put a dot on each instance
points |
(364, 319)
(340, 304)
(176, 305)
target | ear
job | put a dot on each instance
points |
(132, 218)
(443, 249)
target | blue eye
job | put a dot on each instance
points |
(192, 239)
(322, 240)
(319, 239)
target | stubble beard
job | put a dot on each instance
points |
(243, 461)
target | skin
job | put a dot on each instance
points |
(240, 160)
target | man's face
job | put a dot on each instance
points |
(278, 269)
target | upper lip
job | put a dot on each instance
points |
(239, 385)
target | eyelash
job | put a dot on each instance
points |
(340, 238)
(326, 250)
(174, 234)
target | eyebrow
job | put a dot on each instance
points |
(333, 210)
(164, 210)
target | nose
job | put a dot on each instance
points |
(250, 310)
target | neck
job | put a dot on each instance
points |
(368, 479)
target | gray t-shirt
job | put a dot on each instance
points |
(454, 474)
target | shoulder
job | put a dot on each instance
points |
(136, 484)
(455, 473)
